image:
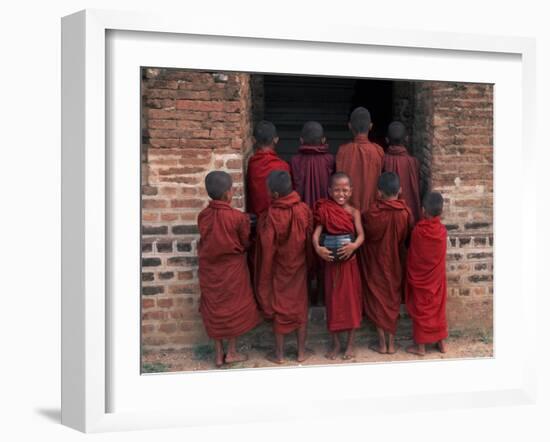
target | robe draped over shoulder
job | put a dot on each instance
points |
(387, 225)
(283, 251)
(260, 165)
(426, 284)
(343, 295)
(227, 304)
(362, 161)
(311, 169)
(407, 167)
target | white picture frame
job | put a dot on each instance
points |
(89, 319)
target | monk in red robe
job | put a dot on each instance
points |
(264, 161)
(313, 165)
(361, 160)
(407, 167)
(387, 225)
(426, 284)
(283, 247)
(311, 169)
(227, 303)
(343, 294)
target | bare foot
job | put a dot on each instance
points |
(332, 354)
(378, 348)
(415, 350)
(442, 346)
(231, 358)
(303, 356)
(219, 360)
(272, 357)
(349, 354)
(392, 348)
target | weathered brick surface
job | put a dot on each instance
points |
(192, 122)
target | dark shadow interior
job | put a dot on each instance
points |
(290, 101)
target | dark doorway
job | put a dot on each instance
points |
(290, 101)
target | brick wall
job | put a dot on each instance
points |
(193, 122)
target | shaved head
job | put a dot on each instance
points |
(338, 176)
(360, 120)
(279, 182)
(433, 204)
(389, 184)
(312, 133)
(397, 133)
(217, 184)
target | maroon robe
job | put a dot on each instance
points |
(407, 167)
(227, 303)
(343, 295)
(260, 165)
(311, 170)
(283, 248)
(362, 161)
(426, 285)
(387, 224)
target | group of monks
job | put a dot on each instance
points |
(396, 251)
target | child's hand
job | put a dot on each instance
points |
(324, 253)
(346, 251)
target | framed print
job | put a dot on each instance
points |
(133, 169)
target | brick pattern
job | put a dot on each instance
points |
(193, 122)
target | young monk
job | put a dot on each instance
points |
(261, 163)
(284, 235)
(361, 160)
(343, 295)
(426, 285)
(407, 167)
(313, 165)
(387, 224)
(227, 304)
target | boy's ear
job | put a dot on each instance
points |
(323, 140)
(379, 193)
(275, 140)
(387, 140)
(301, 140)
(371, 126)
(274, 195)
(349, 126)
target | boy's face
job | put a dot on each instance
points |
(340, 191)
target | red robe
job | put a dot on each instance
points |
(362, 161)
(398, 160)
(227, 303)
(260, 165)
(311, 170)
(343, 295)
(426, 286)
(282, 254)
(387, 225)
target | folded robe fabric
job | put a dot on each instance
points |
(227, 304)
(426, 284)
(407, 167)
(283, 249)
(343, 295)
(362, 161)
(260, 165)
(311, 170)
(382, 259)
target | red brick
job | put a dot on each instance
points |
(165, 302)
(153, 204)
(187, 203)
(168, 327)
(197, 105)
(147, 303)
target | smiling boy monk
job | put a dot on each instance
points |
(426, 286)
(343, 295)
(387, 224)
(284, 236)
(227, 304)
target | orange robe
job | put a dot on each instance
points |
(362, 161)
(407, 167)
(282, 255)
(260, 165)
(227, 303)
(387, 225)
(426, 286)
(343, 295)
